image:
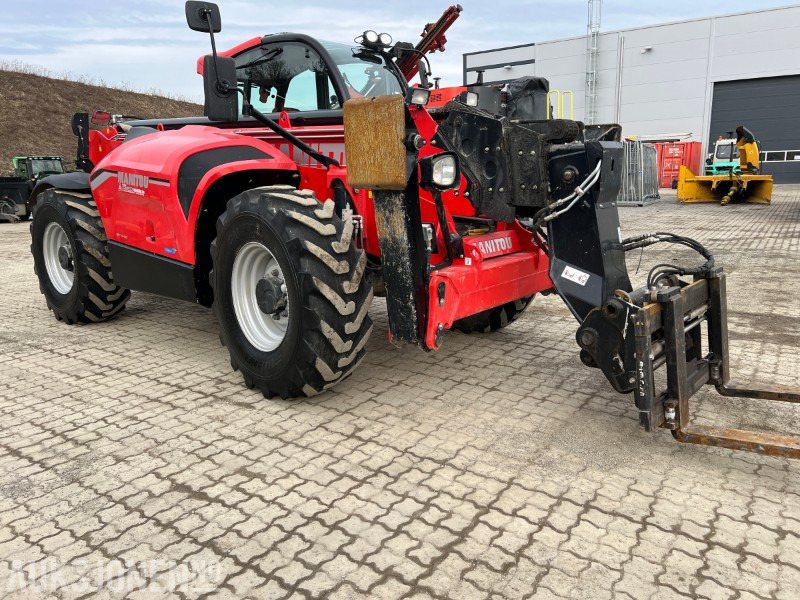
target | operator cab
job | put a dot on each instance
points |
(727, 150)
(295, 73)
(38, 167)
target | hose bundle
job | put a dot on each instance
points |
(665, 269)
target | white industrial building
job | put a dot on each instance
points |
(701, 77)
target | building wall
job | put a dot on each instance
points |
(768, 106)
(667, 75)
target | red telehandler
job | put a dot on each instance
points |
(318, 177)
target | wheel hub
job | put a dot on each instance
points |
(58, 257)
(271, 294)
(65, 258)
(260, 298)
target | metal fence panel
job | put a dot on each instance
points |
(640, 176)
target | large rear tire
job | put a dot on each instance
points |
(70, 257)
(290, 293)
(494, 318)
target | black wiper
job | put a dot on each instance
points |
(368, 56)
(261, 60)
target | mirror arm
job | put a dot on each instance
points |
(326, 161)
(222, 86)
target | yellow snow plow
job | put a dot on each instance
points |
(743, 183)
(724, 188)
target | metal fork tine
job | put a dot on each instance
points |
(736, 439)
(781, 393)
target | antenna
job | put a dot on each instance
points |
(592, 35)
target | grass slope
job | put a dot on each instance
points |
(35, 112)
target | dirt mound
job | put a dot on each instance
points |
(35, 112)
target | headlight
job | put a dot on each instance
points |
(439, 171)
(444, 171)
(385, 39)
(371, 37)
(418, 96)
(469, 98)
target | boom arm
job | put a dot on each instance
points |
(433, 39)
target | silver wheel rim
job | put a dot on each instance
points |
(55, 238)
(252, 263)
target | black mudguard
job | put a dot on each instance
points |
(75, 181)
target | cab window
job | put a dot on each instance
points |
(727, 151)
(365, 72)
(290, 76)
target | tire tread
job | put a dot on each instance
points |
(335, 292)
(98, 297)
(494, 318)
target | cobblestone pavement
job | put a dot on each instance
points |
(135, 464)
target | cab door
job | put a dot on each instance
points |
(290, 77)
(285, 76)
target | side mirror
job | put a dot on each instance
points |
(80, 127)
(423, 73)
(219, 82)
(219, 73)
(197, 16)
(79, 123)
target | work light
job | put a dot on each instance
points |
(469, 98)
(371, 37)
(439, 172)
(445, 170)
(418, 96)
(385, 39)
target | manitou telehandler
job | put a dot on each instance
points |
(318, 177)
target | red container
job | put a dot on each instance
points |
(671, 155)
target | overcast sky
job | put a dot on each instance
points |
(146, 44)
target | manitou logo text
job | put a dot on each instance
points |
(133, 183)
(495, 246)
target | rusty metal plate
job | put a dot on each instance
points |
(736, 439)
(373, 141)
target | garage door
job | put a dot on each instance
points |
(770, 108)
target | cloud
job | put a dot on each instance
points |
(146, 43)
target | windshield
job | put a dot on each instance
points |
(291, 76)
(365, 72)
(46, 166)
(724, 151)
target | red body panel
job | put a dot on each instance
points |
(481, 285)
(251, 43)
(144, 211)
(102, 142)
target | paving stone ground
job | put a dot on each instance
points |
(134, 463)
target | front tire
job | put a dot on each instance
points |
(494, 318)
(70, 257)
(290, 293)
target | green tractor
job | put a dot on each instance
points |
(15, 190)
(33, 168)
